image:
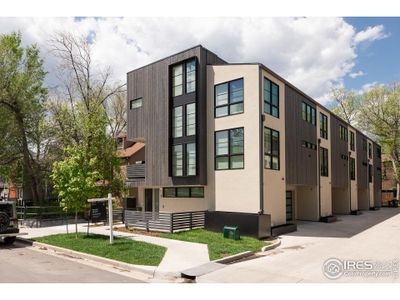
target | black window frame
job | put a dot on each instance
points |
(270, 104)
(271, 156)
(228, 155)
(135, 100)
(352, 168)
(308, 145)
(352, 141)
(324, 161)
(185, 72)
(184, 159)
(323, 126)
(308, 113)
(228, 104)
(343, 133)
(182, 124)
(175, 189)
(186, 123)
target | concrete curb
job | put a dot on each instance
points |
(275, 243)
(149, 270)
(232, 258)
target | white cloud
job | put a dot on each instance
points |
(371, 34)
(356, 74)
(367, 87)
(314, 54)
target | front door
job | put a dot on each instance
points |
(289, 206)
(148, 200)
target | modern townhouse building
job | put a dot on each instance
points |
(243, 144)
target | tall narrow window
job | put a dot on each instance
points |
(191, 159)
(190, 76)
(308, 113)
(177, 80)
(369, 150)
(190, 119)
(352, 141)
(229, 149)
(343, 133)
(133, 104)
(271, 149)
(323, 126)
(364, 144)
(352, 168)
(323, 161)
(369, 173)
(378, 152)
(177, 160)
(177, 122)
(271, 98)
(229, 98)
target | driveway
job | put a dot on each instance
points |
(372, 236)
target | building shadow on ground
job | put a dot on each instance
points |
(346, 226)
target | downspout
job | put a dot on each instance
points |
(348, 174)
(319, 178)
(261, 139)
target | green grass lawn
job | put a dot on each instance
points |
(218, 246)
(123, 249)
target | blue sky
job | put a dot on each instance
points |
(378, 60)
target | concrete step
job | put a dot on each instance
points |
(200, 270)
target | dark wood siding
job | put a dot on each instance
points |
(362, 165)
(340, 168)
(377, 176)
(301, 162)
(151, 121)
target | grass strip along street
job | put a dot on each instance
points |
(218, 246)
(123, 249)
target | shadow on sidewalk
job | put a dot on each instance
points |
(346, 225)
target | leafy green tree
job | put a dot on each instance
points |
(347, 104)
(74, 180)
(22, 95)
(380, 116)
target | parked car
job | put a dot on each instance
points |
(8, 222)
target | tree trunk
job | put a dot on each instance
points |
(76, 223)
(27, 160)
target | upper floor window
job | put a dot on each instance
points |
(136, 103)
(323, 158)
(309, 145)
(369, 173)
(369, 150)
(271, 149)
(308, 113)
(190, 119)
(184, 159)
(190, 76)
(323, 126)
(343, 134)
(364, 144)
(177, 122)
(378, 152)
(228, 98)
(177, 80)
(229, 149)
(352, 168)
(185, 72)
(271, 98)
(120, 143)
(352, 141)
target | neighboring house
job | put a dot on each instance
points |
(388, 181)
(131, 153)
(245, 145)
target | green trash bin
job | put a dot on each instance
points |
(231, 232)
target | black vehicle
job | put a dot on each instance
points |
(8, 222)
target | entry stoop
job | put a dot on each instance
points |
(355, 212)
(328, 219)
(282, 229)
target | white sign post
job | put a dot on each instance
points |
(110, 213)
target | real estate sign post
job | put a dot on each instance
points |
(110, 213)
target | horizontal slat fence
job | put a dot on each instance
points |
(163, 221)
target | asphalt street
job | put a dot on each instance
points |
(22, 264)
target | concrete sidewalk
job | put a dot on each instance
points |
(179, 255)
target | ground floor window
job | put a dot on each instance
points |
(183, 192)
